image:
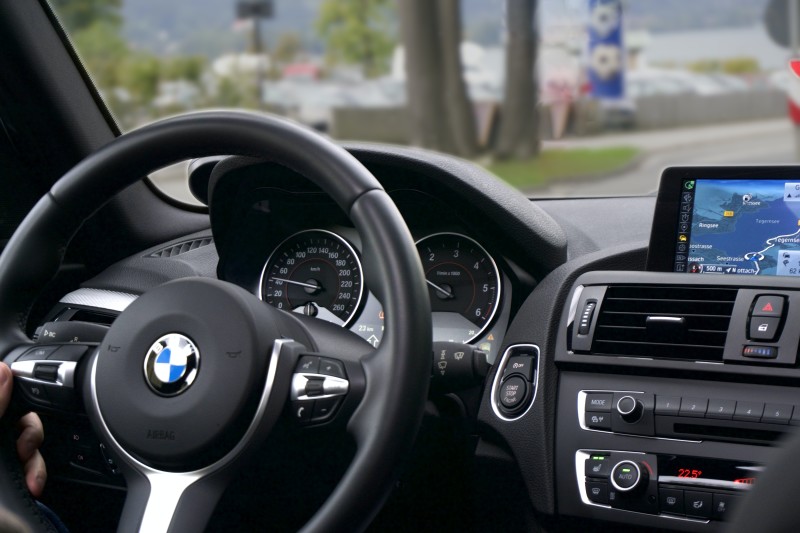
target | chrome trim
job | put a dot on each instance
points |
(632, 409)
(498, 279)
(580, 474)
(336, 236)
(331, 386)
(573, 305)
(100, 298)
(65, 376)
(167, 488)
(666, 319)
(582, 417)
(499, 376)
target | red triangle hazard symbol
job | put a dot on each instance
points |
(767, 307)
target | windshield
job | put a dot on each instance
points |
(557, 97)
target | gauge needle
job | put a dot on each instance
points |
(447, 293)
(300, 283)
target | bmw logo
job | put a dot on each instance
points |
(171, 364)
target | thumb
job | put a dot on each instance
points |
(6, 382)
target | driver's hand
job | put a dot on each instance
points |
(31, 435)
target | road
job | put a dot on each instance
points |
(752, 143)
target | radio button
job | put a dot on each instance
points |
(777, 413)
(722, 409)
(694, 407)
(599, 402)
(668, 405)
(671, 501)
(748, 411)
(698, 504)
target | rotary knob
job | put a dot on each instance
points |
(630, 409)
(627, 476)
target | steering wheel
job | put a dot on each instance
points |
(179, 432)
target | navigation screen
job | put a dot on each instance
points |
(739, 227)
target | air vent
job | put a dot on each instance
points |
(182, 247)
(668, 322)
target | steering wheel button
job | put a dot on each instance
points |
(38, 353)
(34, 392)
(302, 410)
(308, 364)
(512, 392)
(332, 367)
(69, 352)
(324, 408)
(314, 387)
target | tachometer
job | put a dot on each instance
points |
(316, 273)
(463, 283)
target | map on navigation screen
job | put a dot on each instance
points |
(739, 227)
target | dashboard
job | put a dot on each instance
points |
(623, 388)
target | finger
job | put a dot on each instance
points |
(35, 474)
(5, 387)
(31, 436)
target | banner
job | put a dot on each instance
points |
(606, 50)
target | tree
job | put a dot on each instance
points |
(77, 15)
(357, 32)
(101, 50)
(287, 48)
(440, 112)
(518, 134)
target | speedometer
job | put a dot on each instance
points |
(463, 284)
(316, 273)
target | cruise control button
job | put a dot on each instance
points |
(597, 491)
(598, 420)
(721, 409)
(38, 353)
(695, 407)
(671, 501)
(668, 405)
(764, 328)
(69, 352)
(697, 504)
(768, 305)
(34, 392)
(512, 392)
(599, 402)
(46, 372)
(748, 411)
(777, 413)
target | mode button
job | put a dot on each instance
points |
(599, 402)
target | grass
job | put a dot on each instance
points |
(555, 164)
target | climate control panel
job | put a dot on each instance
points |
(677, 487)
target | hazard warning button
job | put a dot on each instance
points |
(768, 305)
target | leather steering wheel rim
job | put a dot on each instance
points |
(396, 389)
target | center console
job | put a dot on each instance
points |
(676, 384)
